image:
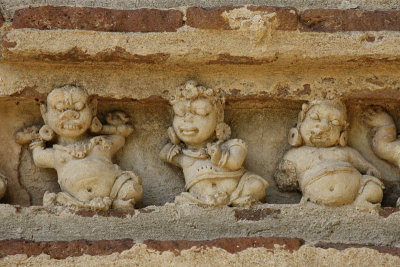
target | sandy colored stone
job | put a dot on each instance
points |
(140, 255)
(253, 43)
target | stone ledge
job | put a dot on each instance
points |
(191, 223)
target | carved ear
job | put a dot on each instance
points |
(343, 139)
(93, 106)
(96, 125)
(43, 111)
(294, 137)
(302, 113)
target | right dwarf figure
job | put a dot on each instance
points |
(385, 142)
(322, 166)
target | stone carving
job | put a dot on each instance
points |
(200, 144)
(321, 164)
(385, 142)
(75, 143)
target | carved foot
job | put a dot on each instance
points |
(244, 202)
(120, 204)
(364, 205)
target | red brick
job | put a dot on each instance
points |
(232, 245)
(207, 18)
(337, 20)
(98, 19)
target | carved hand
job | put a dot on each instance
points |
(215, 152)
(27, 135)
(375, 116)
(124, 129)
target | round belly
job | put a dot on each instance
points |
(333, 188)
(87, 178)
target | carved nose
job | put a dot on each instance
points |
(324, 125)
(70, 114)
(188, 117)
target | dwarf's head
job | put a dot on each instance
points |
(69, 111)
(198, 114)
(321, 123)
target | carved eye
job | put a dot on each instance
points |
(60, 106)
(201, 107)
(179, 109)
(79, 106)
(314, 116)
(335, 122)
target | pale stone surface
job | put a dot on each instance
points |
(322, 166)
(86, 174)
(140, 255)
(200, 144)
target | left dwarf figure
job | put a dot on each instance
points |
(80, 148)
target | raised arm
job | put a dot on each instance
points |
(229, 156)
(42, 157)
(384, 142)
(172, 154)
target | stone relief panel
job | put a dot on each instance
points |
(252, 120)
(321, 164)
(211, 161)
(80, 148)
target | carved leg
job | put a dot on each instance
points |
(370, 194)
(250, 190)
(127, 191)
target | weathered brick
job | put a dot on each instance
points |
(207, 18)
(98, 19)
(337, 20)
(232, 245)
(63, 249)
(211, 18)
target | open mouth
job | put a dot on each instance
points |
(189, 131)
(70, 126)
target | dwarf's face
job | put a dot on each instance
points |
(322, 126)
(194, 121)
(68, 112)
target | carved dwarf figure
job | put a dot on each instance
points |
(86, 174)
(385, 142)
(211, 162)
(321, 164)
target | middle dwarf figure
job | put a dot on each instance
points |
(321, 164)
(212, 163)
